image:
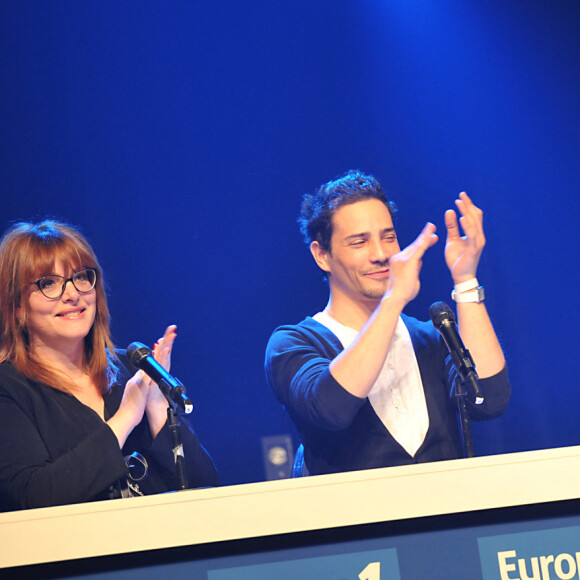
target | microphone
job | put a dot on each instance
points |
(444, 321)
(173, 389)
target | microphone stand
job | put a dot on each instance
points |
(465, 431)
(178, 455)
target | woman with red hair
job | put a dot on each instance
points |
(77, 422)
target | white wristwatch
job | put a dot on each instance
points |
(476, 295)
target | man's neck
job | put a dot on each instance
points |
(350, 313)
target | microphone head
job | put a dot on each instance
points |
(137, 352)
(440, 314)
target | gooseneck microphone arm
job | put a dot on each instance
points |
(444, 321)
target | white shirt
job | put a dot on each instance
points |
(397, 396)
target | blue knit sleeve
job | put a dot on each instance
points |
(297, 369)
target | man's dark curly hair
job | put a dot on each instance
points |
(317, 209)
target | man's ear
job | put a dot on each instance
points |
(320, 256)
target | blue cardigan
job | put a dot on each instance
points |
(341, 432)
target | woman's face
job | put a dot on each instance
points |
(62, 323)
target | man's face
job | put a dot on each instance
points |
(363, 239)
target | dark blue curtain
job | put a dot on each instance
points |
(180, 136)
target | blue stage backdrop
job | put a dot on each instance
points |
(180, 136)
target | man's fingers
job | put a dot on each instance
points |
(471, 214)
(424, 241)
(451, 224)
(467, 202)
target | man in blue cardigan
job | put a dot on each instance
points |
(366, 385)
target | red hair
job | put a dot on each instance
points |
(28, 252)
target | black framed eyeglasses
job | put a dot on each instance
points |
(52, 287)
